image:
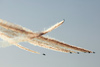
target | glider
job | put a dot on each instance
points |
(13, 34)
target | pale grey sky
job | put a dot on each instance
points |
(81, 28)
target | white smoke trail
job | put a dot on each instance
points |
(48, 45)
(4, 44)
(61, 44)
(15, 34)
(53, 27)
(11, 41)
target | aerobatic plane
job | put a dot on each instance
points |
(13, 34)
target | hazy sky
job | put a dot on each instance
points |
(81, 28)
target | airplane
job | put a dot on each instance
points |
(13, 34)
(44, 54)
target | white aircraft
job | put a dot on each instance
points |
(12, 34)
